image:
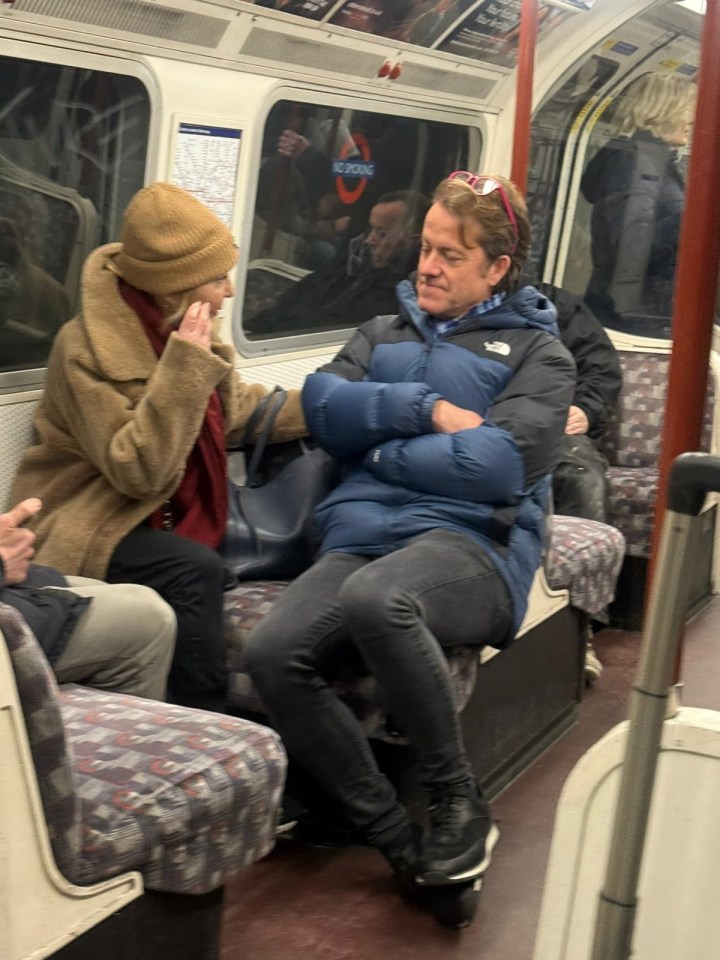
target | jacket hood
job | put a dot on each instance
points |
(527, 308)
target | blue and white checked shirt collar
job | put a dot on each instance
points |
(441, 328)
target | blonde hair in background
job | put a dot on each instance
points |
(487, 215)
(658, 102)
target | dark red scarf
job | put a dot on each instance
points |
(198, 508)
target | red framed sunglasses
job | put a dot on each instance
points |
(485, 186)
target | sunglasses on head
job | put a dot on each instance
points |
(485, 186)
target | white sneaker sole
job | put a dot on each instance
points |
(473, 873)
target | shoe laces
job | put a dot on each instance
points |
(448, 812)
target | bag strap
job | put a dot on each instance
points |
(255, 417)
(274, 401)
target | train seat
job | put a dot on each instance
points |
(632, 447)
(104, 796)
(512, 705)
(577, 581)
(266, 280)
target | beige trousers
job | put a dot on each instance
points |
(124, 641)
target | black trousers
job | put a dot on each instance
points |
(188, 576)
(580, 487)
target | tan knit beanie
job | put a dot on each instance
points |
(172, 242)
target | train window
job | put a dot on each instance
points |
(340, 202)
(606, 188)
(73, 143)
(553, 142)
(630, 204)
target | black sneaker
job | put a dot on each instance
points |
(403, 853)
(460, 838)
(291, 811)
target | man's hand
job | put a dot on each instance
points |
(447, 418)
(292, 144)
(577, 421)
(16, 543)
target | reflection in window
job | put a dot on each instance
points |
(637, 194)
(72, 152)
(340, 203)
(551, 143)
(625, 152)
(33, 304)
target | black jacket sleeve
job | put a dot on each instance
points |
(598, 369)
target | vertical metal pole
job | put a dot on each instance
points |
(618, 901)
(694, 307)
(524, 93)
(695, 280)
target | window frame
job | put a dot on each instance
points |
(31, 378)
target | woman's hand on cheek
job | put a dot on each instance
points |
(196, 326)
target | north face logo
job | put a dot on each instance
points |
(495, 346)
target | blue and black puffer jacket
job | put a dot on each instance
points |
(372, 407)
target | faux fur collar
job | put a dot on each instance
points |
(115, 334)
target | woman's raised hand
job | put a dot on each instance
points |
(196, 326)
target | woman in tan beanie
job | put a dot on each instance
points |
(140, 401)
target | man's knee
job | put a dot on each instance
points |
(150, 618)
(263, 657)
(368, 601)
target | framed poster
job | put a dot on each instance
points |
(491, 31)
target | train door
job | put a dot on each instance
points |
(597, 231)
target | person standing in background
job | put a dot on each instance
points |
(637, 194)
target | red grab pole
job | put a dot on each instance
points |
(696, 276)
(524, 93)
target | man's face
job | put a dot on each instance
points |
(388, 232)
(452, 278)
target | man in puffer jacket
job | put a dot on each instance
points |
(448, 418)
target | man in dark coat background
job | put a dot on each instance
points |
(360, 283)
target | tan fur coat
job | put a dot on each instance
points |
(116, 424)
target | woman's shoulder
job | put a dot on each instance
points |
(70, 342)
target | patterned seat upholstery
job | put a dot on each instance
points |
(583, 557)
(186, 797)
(632, 445)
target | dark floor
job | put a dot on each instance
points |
(309, 903)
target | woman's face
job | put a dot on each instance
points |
(213, 293)
(681, 134)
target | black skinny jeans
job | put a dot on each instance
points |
(188, 576)
(397, 613)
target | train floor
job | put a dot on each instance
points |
(313, 903)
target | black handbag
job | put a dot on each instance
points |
(269, 532)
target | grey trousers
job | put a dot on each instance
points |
(396, 614)
(123, 642)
